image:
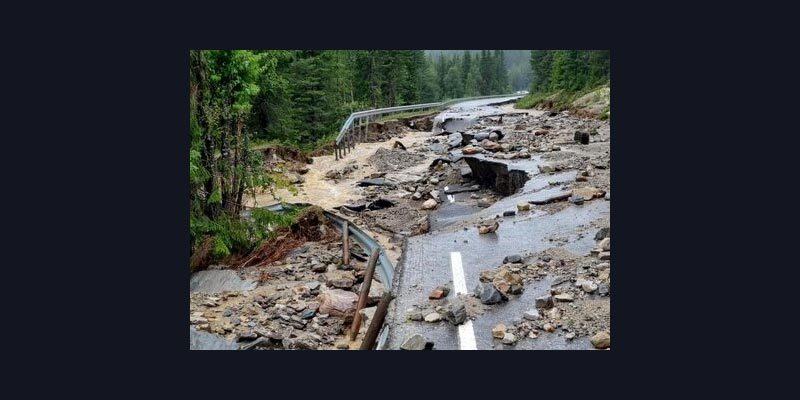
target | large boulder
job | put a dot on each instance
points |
(588, 192)
(429, 204)
(456, 312)
(338, 302)
(340, 279)
(454, 140)
(601, 340)
(488, 294)
(416, 342)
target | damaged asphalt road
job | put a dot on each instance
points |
(525, 178)
(479, 189)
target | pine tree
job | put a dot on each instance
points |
(454, 86)
(472, 86)
(541, 67)
(466, 65)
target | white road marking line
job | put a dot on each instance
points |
(459, 283)
(466, 336)
(449, 196)
(466, 333)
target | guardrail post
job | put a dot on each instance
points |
(377, 321)
(346, 244)
(362, 298)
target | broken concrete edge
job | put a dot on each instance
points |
(386, 270)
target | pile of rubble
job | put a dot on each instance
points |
(388, 160)
(305, 301)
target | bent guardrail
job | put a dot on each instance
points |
(386, 270)
(354, 129)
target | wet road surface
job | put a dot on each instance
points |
(428, 259)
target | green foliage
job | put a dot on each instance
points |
(605, 114)
(242, 101)
(216, 197)
(220, 248)
(562, 76)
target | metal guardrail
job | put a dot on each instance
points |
(384, 268)
(354, 129)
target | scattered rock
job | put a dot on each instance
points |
(544, 301)
(514, 258)
(601, 234)
(509, 338)
(549, 327)
(471, 150)
(570, 336)
(606, 255)
(601, 340)
(503, 286)
(483, 229)
(582, 137)
(439, 293)
(454, 140)
(319, 267)
(433, 317)
(429, 204)
(340, 279)
(301, 290)
(416, 196)
(576, 200)
(604, 289)
(366, 316)
(523, 206)
(376, 291)
(457, 312)
(416, 342)
(490, 145)
(587, 193)
(589, 287)
(488, 293)
(415, 316)
(510, 213)
(608, 196)
(564, 297)
(531, 315)
(499, 331)
(338, 302)
(372, 182)
(605, 244)
(546, 168)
